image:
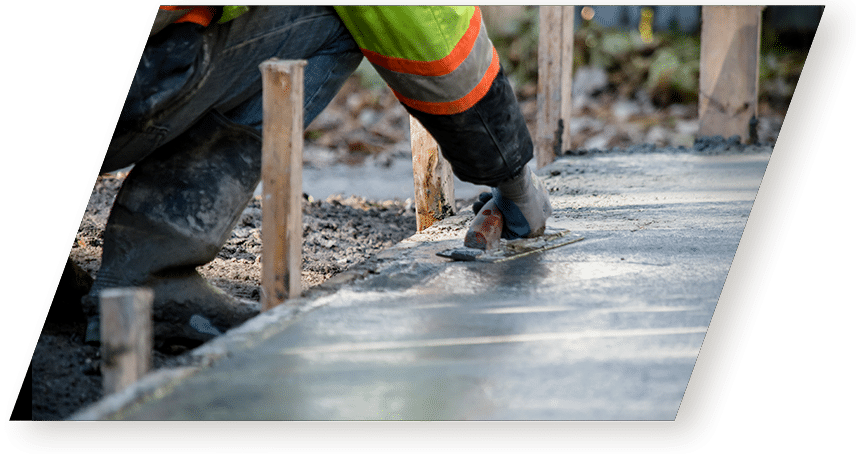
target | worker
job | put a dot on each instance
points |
(191, 126)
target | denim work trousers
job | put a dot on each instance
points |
(187, 71)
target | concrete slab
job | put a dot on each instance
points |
(605, 329)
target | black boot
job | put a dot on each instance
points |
(175, 210)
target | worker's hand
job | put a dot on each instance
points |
(524, 203)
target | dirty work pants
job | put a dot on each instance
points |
(187, 71)
(191, 126)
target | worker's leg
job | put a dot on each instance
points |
(180, 202)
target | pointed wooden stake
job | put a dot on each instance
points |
(433, 181)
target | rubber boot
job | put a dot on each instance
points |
(175, 210)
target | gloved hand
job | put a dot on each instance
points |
(524, 203)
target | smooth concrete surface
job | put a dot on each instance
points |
(605, 329)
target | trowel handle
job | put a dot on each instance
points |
(486, 229)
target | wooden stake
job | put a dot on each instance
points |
(126, 336)
(728, 76)
(433, 182)
(282, 180)
(555, 71)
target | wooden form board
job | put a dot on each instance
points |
(555, 70)
(433, 181)
(126, 336)
(282, 180)
(728, 74)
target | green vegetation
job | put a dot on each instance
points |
(665, 67)
(516, 42)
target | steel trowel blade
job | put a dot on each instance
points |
(512, 249)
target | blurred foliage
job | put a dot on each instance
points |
(515, 37)
(779, 74)
(783, 56)
(665, 69)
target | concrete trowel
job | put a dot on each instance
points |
(483, 241)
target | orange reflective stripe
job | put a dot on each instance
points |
(201, 15)
(440, 67)
(458, 105)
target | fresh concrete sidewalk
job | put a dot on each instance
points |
(607, 328)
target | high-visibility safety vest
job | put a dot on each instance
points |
(436, 59)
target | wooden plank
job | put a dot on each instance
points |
(126, 336)
(728, 76)
(433, 181)
(555, 71)
(282, 180)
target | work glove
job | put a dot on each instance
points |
(524, 203)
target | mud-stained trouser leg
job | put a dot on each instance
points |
(186, 71)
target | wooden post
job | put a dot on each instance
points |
(433, 182)
(282, 181)
(555, 71)
(728, 76)
(126, 336)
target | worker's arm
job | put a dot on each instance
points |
(442, 66)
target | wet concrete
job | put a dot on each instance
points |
(604, 329)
